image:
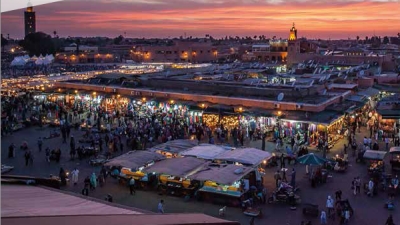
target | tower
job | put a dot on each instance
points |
(30, 20)
(293, 47)
(293, 33)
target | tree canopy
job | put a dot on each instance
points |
(38, 43)
(4, 41)
(118, 39)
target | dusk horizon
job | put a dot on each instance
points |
(157, 19)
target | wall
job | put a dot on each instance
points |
(365, 82)
(223, 88)
(235, 101)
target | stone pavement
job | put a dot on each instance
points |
(367, 210)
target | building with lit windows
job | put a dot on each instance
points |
(274, 51)
(179, 51)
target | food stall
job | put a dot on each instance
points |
(173, 149)
(173, 175)
(206, 151)
(376, 160)
(251, 157)
(131, 165)
(395, 158)
(224, 184)
(246, 156)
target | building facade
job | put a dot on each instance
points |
(180, 51)
(274, 51)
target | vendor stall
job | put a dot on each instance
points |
(376, 164)
(246, 156)
(395, 158)
(253, 157)
(206, 151)
(172, 149)
(224, 183)
(256, 124)
(173, 175)
(131, 165)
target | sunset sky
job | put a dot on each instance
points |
(172, 18)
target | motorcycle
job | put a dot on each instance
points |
(24, 146)
(53, 134)
(285, 197)
(59, 179)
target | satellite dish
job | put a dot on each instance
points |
(324, 92)
(280, 96)
(362, 73)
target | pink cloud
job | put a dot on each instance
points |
(335, 18)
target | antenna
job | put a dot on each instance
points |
(280, 96)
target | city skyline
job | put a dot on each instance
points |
(334, 19)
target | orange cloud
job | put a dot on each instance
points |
(196, 18)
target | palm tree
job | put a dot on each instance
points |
(55, 33)
(78, 43)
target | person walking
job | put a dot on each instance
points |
(329, 205)
(338, 195)
(293, 179)
(72, 146)
(75, 175)
(282, 161)
(27, 157)
(346, 216)
(85, 190)
(284, 175)
(387, 143)
(358, 185)
(67, 130)
(371, 188)
(47, 150)
(323, 217)
(63, 135)
(63, 176)
(93, 181)
(277, 177)
(40, 144)
(11, 151)
(389, 220)
(132, 186)
(160, 207)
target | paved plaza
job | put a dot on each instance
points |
(367, 210)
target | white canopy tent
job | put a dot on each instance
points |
(206, 151)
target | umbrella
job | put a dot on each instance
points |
(311, 159)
